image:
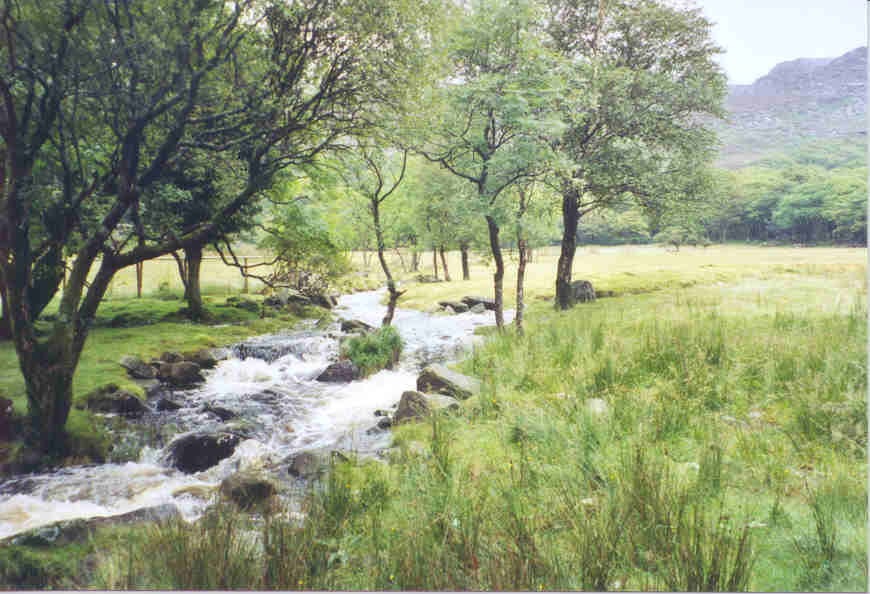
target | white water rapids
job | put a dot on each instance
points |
(270, 383)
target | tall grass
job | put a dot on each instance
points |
(729, 454)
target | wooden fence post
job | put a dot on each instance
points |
(245, 275)
(139, 273)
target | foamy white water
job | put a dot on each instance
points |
(269, 383)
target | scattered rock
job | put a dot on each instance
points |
(427, 278)
(342, 371)
(110, 399)
(355, 326)
(247, 305)
(184, 373)
(247, 490)
(448, 309)
(224, 414)
(171, 357)
(71, 531)
(457, 306)
(199, 451)
(327, 301)
(165, 404)
(384, 423)
(137, 368)
(439, 379)
(381, 413)
(478, 308)
(471, 301)
(203, 357)
(412, 405)
(306, 465)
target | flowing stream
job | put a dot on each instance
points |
(269, 382)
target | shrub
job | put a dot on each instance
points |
(374, 351)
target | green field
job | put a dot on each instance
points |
(705, 428)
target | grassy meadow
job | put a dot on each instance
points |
(705, 428)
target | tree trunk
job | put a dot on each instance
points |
(401, 259)
(463, 248)
(521, 272)
(444, 264)
(5, 319)
(48, 374)
(193, 258)
(521, 265)
(570, 218)
(391, 284)
(435, 261)
(498, 277)
(415, 261)
(182, 270)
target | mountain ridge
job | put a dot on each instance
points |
(798, 101)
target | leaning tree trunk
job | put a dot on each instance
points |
(48, 364)
(444, 263)
(570, 218)
(498, 277)
(193, 293)
(463, 249)
(394, 293)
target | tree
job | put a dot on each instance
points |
(642, 78)
(487, 133)
(373, 173)
(108, 94)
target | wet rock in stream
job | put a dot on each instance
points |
(200, 451)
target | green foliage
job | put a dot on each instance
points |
(375, 350)
(308, 257)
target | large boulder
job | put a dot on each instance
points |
(582, 291)
(306, 465)
(471, 301)
(203, 357)
(247, 490)
(416, 405)
(171, 357)
(439, 379)
(456, 306)
(137, 368)
(327, 301)
(412, 405)
(183, 374)
(342, 371)
(110, 399)
(200, 451)
(477, 308)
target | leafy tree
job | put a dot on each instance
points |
(493, 110)
(107, 95)
(640, 75)
(372, 173)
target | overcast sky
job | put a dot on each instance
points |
(759, 34)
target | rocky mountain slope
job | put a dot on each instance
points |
(803, 100)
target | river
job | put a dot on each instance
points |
(269, 382)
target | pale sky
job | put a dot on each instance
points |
(759, 34)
